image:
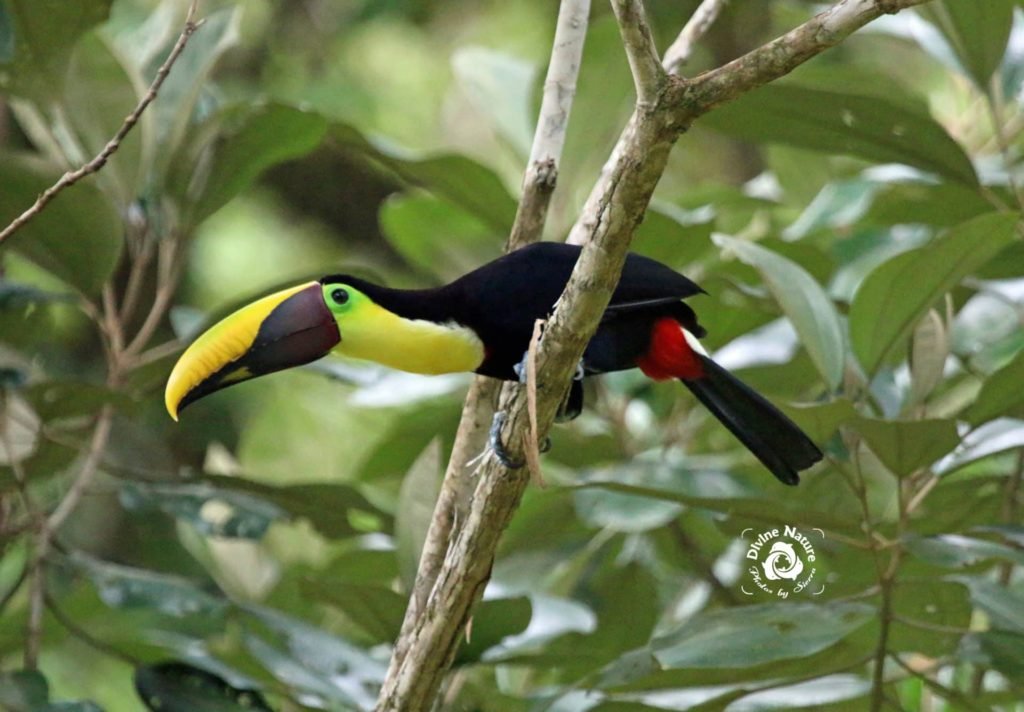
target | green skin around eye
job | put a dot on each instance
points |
(329, 289)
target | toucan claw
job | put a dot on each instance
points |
(496, 446)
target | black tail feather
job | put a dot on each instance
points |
(764, 429)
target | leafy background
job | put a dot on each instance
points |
(855, 225)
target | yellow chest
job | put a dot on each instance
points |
(412, 345)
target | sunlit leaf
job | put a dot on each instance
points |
(833, 122)
(247, 140)
(175, 109)
(904, 446)
(896, 294)
(958, 551)
(1001, 394)
(803, 301)
(412, 222)
(821, 420)
(501, 88)
(333, 509)
(180, 687)
(976, 31)
(464, 182)
(1004, 605)
(753, 635)
(126, 587)
(928, 352)
(212, 512)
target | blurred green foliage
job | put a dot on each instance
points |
(856, 226)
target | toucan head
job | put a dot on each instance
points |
(289, 328)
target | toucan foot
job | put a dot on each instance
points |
(571, 407)
(496, 445)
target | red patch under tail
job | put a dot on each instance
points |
(670, 354)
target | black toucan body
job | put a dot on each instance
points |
(483, 322)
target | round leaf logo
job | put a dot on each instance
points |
(782, 562)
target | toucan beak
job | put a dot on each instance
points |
(286, 329)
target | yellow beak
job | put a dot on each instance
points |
(286, 329)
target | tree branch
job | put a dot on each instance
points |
(648, 75)
(679, 52)
(72, 177)
(538, 184)
(431, 641)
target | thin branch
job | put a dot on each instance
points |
(168, 269)
(680, 51)
(72, 177)
(538, 184)
(548, 140)
(86, 473)
(648, 75)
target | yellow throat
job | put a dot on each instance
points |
(414, 345)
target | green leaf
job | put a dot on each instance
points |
(213, 512)
(77, 237)
(938, 204)
(248, 140)
(334, 510)
(904, 446)
(754, 635)
(898, 293)
(1004, 605)
(802, 299)
(1001, 650)
(461, 180)
(976, 31)
(958, 551)
(412, 222)
(738, 508)
(494, 620)
(98, 95)
(1001, 394)
(821, 420)
(176, 107)
(673, 235)
(126, 587)
(41, 35)
(416, 500)
(23, 690)
(376, 610)
(180, 687)
(928, 352)
(831, 122)
(312, 660)
(7, 42)
(500, 87)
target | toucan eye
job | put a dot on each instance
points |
(340, 296)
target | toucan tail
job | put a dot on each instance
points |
(766, 431)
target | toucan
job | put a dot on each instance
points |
(483, 322)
